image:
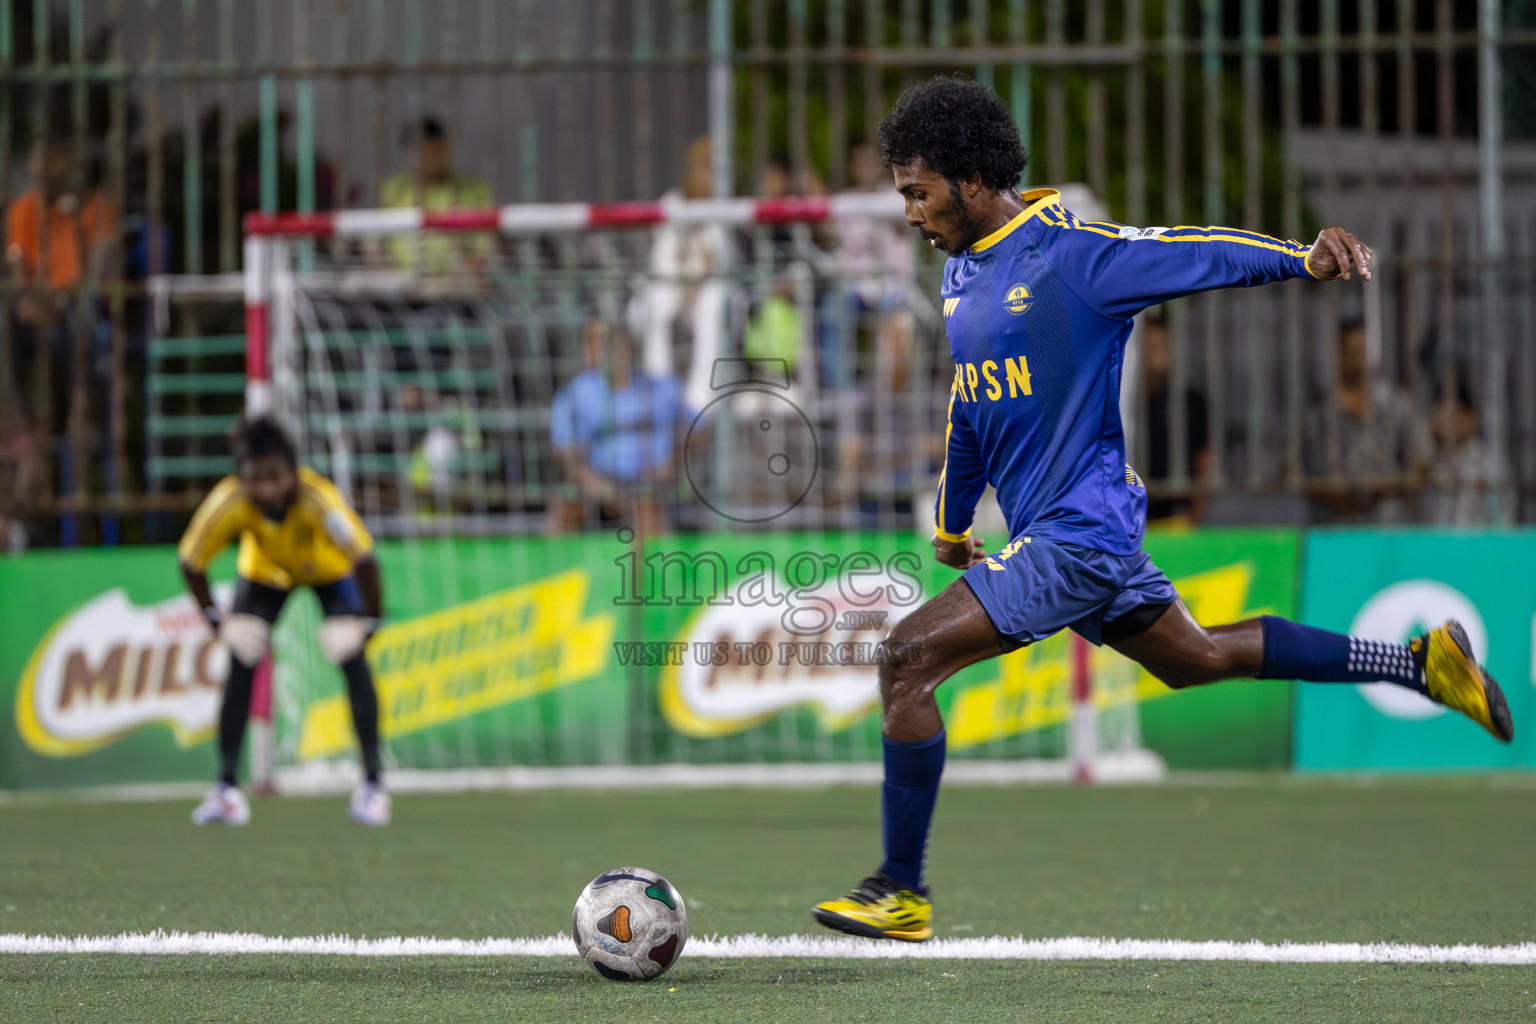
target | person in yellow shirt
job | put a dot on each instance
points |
(295, 530)
(436, 184)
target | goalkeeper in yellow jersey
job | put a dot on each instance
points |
(295, 530)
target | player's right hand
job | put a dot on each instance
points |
(1336, 253)
(961, 554)
(248, 637)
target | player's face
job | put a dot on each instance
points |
(271, 484)
(934, 206)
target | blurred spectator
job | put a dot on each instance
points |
(1157, 361)
(1461, 491)
(874, 264)
(789, 259)
(774, 181)
(1382, 448)
(56, 237)
(60, 242)
(617, 431)
(435, 184)
(893, 450)
(681, 288)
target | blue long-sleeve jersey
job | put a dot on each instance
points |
(1037, 315)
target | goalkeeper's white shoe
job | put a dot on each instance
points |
(224, 804)
(370, 805)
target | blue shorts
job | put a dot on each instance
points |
(1035, 587)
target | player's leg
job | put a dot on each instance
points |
(342, 605)
(1439, 664)
(923, 649)
(246, 633)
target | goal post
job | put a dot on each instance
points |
(426, 361)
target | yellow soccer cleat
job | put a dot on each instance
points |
(1456, 680)
(880, 908)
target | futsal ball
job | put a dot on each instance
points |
(630, 924)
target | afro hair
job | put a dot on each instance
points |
(959, 127)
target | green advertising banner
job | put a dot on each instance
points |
(107, 672)
(1389, 586)
(494, 651)
(589, 650)
(1224, 576)
(782, 680)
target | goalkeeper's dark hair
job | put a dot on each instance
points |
(256, 437)
(958, 126)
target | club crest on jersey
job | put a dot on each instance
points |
(1017, 299)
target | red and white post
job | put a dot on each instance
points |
(258, 289)
(258, 399)
(1084, 734)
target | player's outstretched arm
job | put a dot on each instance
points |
(1119, 271)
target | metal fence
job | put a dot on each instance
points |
(155, 126)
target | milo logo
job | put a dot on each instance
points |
(111, 666)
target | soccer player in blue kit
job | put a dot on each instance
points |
(1037, 307)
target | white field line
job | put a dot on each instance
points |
(162, 943)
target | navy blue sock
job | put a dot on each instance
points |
(1294, 651)
(911, 788)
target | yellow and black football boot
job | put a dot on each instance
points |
(880, 908)
(1456, 680)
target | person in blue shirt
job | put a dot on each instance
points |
(1038, 305)
(616, 430)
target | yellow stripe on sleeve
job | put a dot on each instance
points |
(1274, 243)
(1097, 230)
(949, 428)
(1306, 262)
(1180, 233)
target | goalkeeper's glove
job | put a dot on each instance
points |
(247, 637)
(343, 637)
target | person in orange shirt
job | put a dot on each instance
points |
(53, 237)
(55, 242)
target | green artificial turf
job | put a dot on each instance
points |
(1403, 861)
